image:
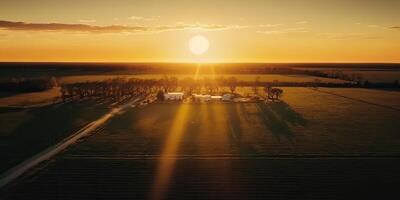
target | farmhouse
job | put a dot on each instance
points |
(173, 96)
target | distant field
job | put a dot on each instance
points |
(242, 77)
(31, 98)
(379, 76)
(370, 74)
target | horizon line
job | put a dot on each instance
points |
(188, 62)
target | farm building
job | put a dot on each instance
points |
(227, 97)
(174, 96)
(216, 98)
(201, 97)
(206, 97)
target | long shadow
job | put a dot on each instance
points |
(236, 130)
(287, 114)
(277, 117)
(125, 127)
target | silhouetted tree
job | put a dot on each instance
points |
(232, 83)
(160, 96)
(255, 85)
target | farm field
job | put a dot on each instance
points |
(26, 131)
(30, 99)
(370, 74)
(240, 77)
(315, 144)
(379, 76)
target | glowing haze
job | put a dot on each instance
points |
(237, 31)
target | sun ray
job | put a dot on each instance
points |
(167, 160)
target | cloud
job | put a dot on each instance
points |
(349, 36)
(284, 31)
(302, 22)
(62, 27)
(138, 18)
(372, 26)
(395, 27)
(268, 25)
(87, 21)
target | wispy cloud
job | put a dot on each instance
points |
(372, 26)
(395, 27)
(284, 31)
(268, 25)
(62, 27)
(139, 18)
(87, 21)
(302, 22)
(349, 36)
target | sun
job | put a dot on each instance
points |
(199, 44)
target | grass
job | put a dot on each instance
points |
(379, 76)
(30, 99)
(323, 144)
(371, 74)
(25, 132)
(308, 122)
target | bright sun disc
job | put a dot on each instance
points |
(199, 44)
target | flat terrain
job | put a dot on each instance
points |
(371, 74)
(240, 77)
(379, 76)
(30, 99)
(27, 131)
(316, 144)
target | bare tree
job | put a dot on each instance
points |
(255, 85)
(232, 83)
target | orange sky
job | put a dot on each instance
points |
(238, 31)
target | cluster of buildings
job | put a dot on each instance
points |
(178, 96)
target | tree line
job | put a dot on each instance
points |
(116, 88)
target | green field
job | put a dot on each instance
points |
(27, 131)
(314, 139)
(307, 122)
(327, 121)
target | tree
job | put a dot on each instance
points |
(255, 85)
(276, 93)
(160, 96)
(267, 90)
(232, 83)
(273, 93)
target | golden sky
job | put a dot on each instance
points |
(238, 30)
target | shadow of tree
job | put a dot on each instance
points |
(277, 117)
(236, 132)
(288, 114)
